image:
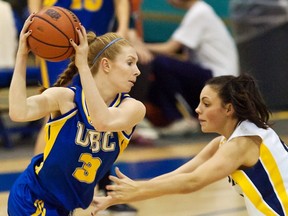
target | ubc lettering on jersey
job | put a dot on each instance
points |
(77, 156)
(97, 140)
(123, 136)
(264, 185)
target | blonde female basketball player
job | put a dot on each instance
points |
(248, 151)
(90, 123)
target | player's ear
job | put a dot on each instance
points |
(229, 108)
(105, 64)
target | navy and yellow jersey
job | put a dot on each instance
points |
(265, 185)
(97, 16)
(76, 156)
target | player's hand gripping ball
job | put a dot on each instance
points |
(52, 28)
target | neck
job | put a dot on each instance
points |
(230, 128)
(106, 92)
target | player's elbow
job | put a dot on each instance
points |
(14, 116)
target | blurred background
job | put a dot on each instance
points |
(260, 32)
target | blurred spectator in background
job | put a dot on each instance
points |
(145, 134)
(260, 29)
(199, 49)
(8, 36)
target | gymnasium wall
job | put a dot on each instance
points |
(159, 18)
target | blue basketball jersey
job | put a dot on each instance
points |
(76, 157)
(97, 16)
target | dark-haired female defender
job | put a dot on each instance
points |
(248, 151)
(90, 123)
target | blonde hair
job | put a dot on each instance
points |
(99, 47)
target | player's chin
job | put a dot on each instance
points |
(128, 88)
(205, 129)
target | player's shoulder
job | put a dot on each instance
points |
(134, 101)
(59, 93)
(59, 90)
(217, 140)
(246, 140)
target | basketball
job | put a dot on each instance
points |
(52, 28)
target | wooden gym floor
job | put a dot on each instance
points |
(143, 162)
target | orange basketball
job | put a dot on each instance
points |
(52, 28)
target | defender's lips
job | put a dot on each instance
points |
(201, 121)
(133, 82)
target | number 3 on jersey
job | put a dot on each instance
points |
(87, 172)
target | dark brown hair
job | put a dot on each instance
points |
(243, 93)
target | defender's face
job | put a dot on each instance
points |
(211, 113)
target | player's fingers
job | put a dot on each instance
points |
(73, 43)
(80, 34)
(119, 173)
(116, 195)
(113, 194)
(114, 179)
(114, 188)
(83, 29)
(30, 18)
(27, 23)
